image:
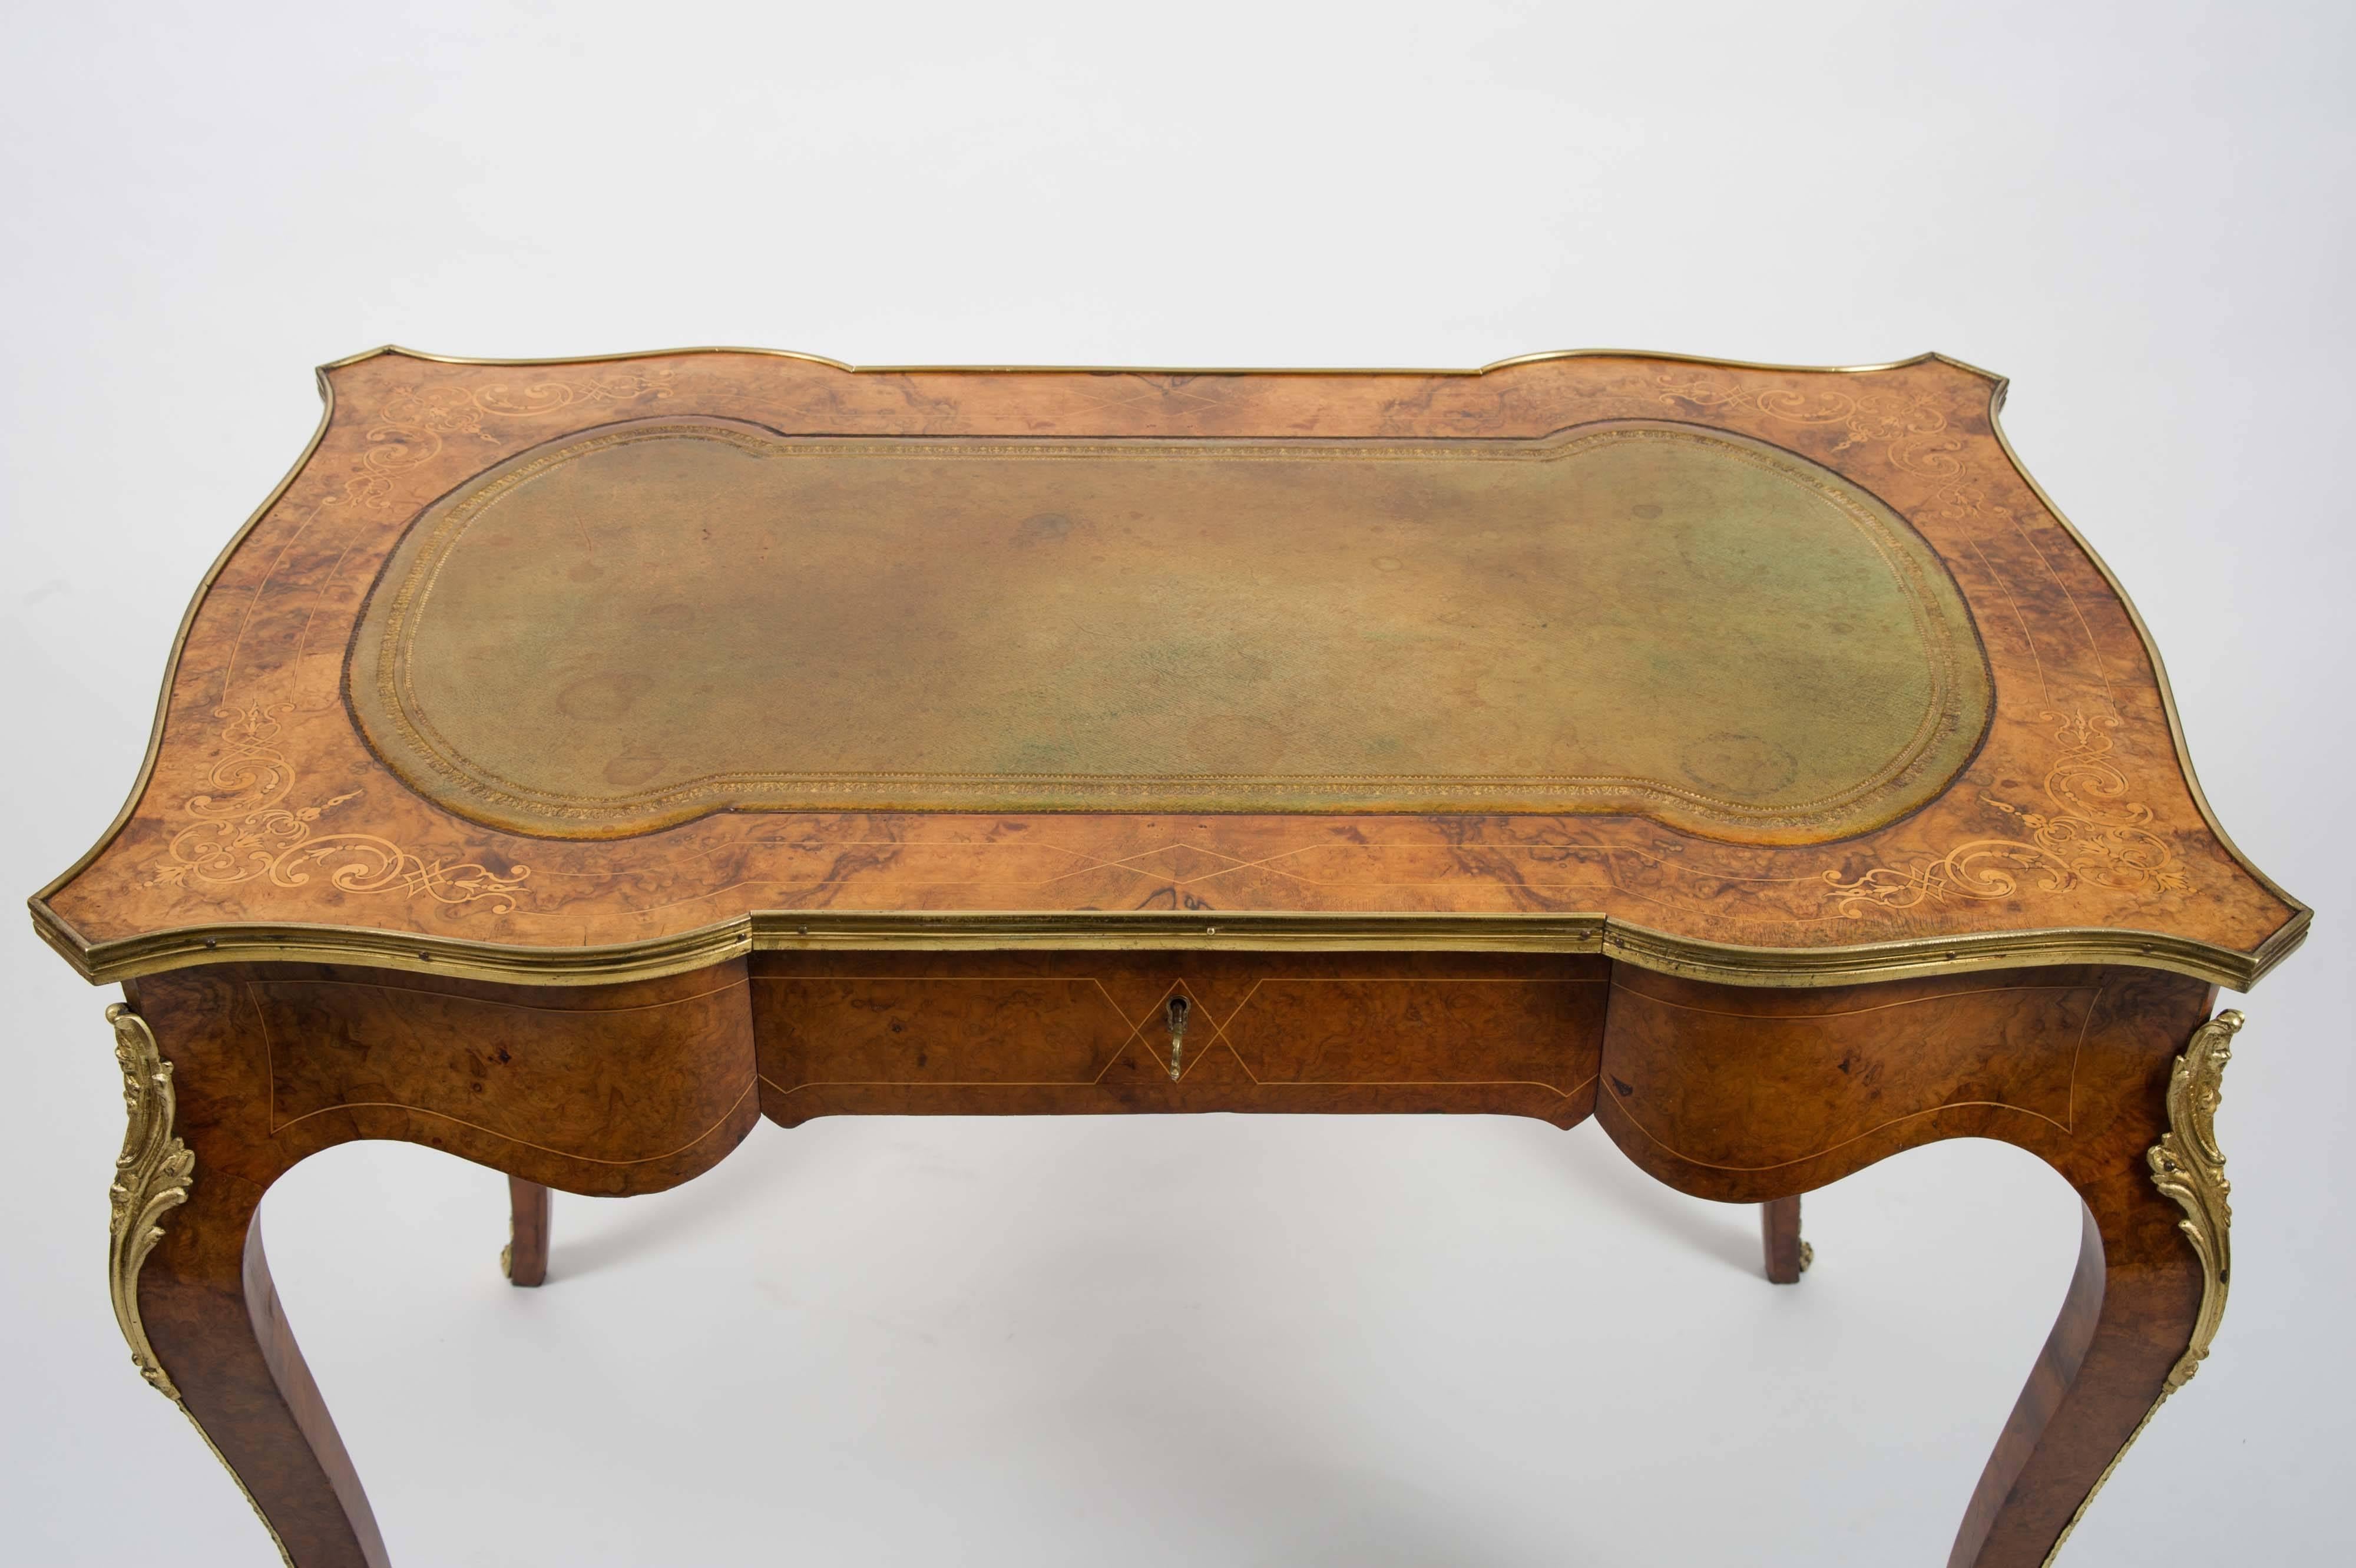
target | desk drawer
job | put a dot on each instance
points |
(1090, 1032)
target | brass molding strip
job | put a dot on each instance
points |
(1207, 930)
(2189, 1167)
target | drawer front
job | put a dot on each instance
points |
(1086, 1032)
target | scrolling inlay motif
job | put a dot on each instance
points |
(1914, 431)
(409, 429)
(2094, 834)
(250, 832)
(152, 1177)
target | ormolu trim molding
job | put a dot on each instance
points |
(2190, 1168)
(791, 931)
(152, 1177)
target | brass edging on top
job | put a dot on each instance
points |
(154, 952)
(1203, 930)
(994, 369)
(181, 641)
(2300, 913)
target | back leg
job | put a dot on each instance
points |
(1778, 1228)
(524, 1260)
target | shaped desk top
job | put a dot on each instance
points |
(608, 669)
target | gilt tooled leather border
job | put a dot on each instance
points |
(402, 731)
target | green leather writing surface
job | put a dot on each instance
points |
(644, 623)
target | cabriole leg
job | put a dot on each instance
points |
(234, 1076)
(2109, 1076)
(2153, 1269)
(192, 1291)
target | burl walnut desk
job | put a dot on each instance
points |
(574, 762)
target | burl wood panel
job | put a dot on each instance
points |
(1746, 1094)
(621, 1089)
(603, 1082)
(266, 807)
(1030, 1032)
(1765, 1090)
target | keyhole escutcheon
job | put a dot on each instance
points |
(1178, 1010)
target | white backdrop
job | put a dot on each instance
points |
(1219, 1340)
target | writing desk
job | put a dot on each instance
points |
(574, 762)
